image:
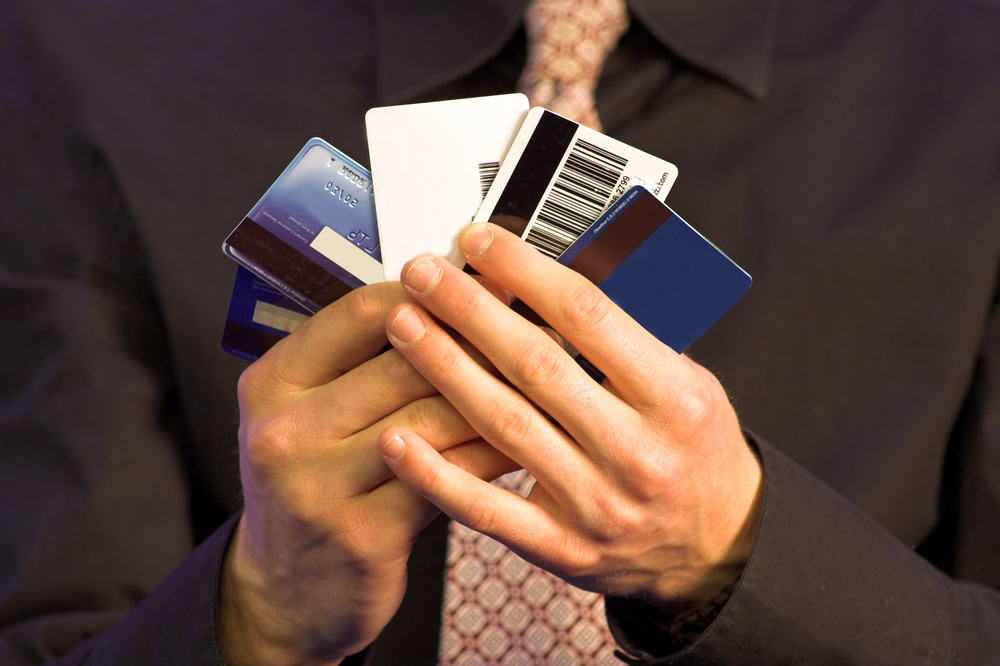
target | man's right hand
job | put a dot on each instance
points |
(317, 566)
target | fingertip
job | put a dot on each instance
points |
(391, 444)
(393, 448)
(421, 274)
(406, 326)
(476, 240)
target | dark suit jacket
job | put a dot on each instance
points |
(845, 152)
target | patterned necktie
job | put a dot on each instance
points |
(498, 608)
(568, 42)
(501, 610)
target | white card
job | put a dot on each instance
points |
(558, 178)
(431, 164)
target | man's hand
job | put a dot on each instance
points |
(317, 566)
(645, 486)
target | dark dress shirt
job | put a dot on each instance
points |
(845, 152)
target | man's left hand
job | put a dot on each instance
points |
(645, 486)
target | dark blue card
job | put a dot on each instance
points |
(658, 269)
(310, 239)
(259, 315)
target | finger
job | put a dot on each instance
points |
(476, 355)
(495, 289)
(479, 458)
(536, 364)
(571, 304)
(502, 295)
(356, 462)
(504, 417)
(333, 341)
(365, 395)
(505, 297)
(402, 508)
(505, 516)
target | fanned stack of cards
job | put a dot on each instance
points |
(589, 201)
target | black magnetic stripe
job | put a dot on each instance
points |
(623, 236)
(616, 242)
(286, 263)
(536, 167)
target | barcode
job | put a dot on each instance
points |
(577, 198)
(487, 174)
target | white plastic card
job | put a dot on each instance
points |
(433, 163)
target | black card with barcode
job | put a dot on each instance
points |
(559, 176)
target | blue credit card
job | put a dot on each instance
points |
(259, 316)
(313, 234)
(672, 280)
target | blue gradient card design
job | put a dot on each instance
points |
(313, 234)
(657, 268)
(259, 316)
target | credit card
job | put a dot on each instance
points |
(259, 315)
(559, 176)
(313, 234)
(434, 161)
(672, 280)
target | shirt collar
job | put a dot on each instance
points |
(425, 44)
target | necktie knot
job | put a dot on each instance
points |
(568, 42)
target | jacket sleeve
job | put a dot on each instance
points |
(826, 585)
(175, 624)
(94, 499)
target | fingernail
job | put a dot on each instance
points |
(475, 240)
(423, 275)
(407, 327)
(393, 448)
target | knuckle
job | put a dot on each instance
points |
(252, 382)
(682, 405)
(646, 466)
(364, 307)
(693, 404)
(481, 512)
(586, 308)
(445, 363)
(270, 447)
(540, 365)
(302, 501)
(308, 330)
(426, 417)
(457, 459)
(653, 477)
(615, 521)
(510, 424)
(569, 555)
(396, 368)
(428, 478)
(470, 307)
